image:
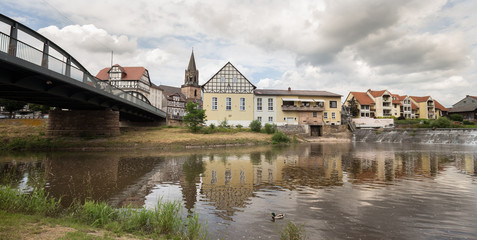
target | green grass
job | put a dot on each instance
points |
(36, 202)
(165, 220)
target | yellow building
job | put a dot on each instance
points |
(228, 95)
(297, 107)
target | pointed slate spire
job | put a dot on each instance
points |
(191, 73)
(192, 62)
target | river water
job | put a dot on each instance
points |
(336, 191)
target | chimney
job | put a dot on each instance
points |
(289, 89)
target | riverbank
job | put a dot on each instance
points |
(29, 134)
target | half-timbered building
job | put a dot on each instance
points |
(228, 95)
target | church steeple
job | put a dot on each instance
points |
(191, 73)
(191, 87)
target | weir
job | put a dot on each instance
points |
(460, 136)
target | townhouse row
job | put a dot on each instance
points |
(230, 96)
(373, 104)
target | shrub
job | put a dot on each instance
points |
(442, 122)
(279, 137)
(401, 118)
(270, 128)
(239, 126)
(456, 117)
(468, 122)
(224, 124)
(255, 126)
(212, 126)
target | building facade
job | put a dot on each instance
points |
(229, 96)
(133, 80)
(373, 104)
(297, 107)
(467, 107)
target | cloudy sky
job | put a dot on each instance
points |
(413, 47)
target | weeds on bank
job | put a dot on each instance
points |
(166, 219)
(293, 232)
(36, 202)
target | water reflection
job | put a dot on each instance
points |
(327, 186)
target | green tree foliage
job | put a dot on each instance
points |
(456, 117)
(353, 107)
(39, 108)
(11, 106)
(255, 126)
(195, 117)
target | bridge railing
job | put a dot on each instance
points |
(67, 66)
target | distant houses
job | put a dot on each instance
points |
(375, 104)
(228, 96)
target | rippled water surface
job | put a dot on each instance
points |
(337, 191)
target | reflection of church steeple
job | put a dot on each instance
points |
(191, 87)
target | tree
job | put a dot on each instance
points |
(11, 105)
(195, 117)
(353, 107)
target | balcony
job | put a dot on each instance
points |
(303, 108)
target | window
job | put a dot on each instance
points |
(333, 104)
(270, 119)
(242, 104)
(333, 115)
(222, 78)
(270, 104)
(325, 115)
(214, 103)
(235, 79)
(259, 104)
(228, 104)
(259, 119)
(315, 114)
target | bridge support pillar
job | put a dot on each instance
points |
(88, 123)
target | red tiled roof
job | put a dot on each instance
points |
(131, 73)
(420, 99)
(438, 105)
(377, 93)
(413, 106)
(473, 97)
(362, 98)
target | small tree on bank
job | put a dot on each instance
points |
(195, 117)
(353, 107)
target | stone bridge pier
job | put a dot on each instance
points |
(83, 123)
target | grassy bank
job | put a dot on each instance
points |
(25, 215)
(30, 135)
